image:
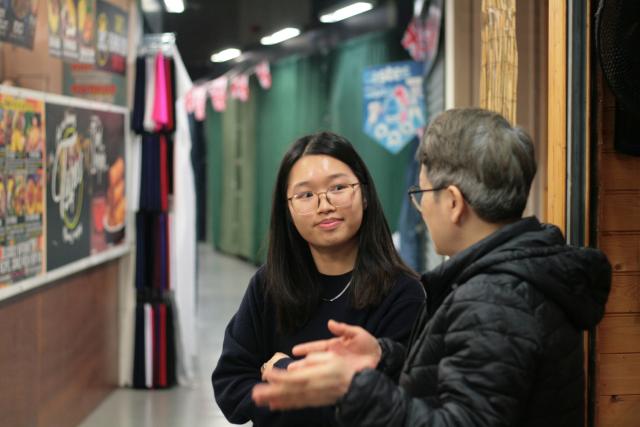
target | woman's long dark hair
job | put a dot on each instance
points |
(292, 280)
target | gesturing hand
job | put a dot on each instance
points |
(321, 381)
(358, 348)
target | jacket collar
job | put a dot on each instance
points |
(439, 281)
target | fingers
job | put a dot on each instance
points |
(280, 376)
(312, 347)
(312, 359)
(302, 371)
(269, 395)
(340, 329)
(276, 397)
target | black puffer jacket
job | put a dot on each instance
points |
(499, 342)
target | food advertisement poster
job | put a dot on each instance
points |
(18, 21)
(72, 33)
(22, 124)
(88, 32)
(85, 182)
(111, 38)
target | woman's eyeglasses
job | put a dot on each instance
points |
(339, 196)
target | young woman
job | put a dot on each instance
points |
(330, 257)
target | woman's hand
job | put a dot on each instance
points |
(268, 365)
(357, 347)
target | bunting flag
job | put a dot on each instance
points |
(240, 87)
(200, 99)
(422, 36)
(218, 93)
(263, 72)
(411, 40)
(195, 102)
(189, 101)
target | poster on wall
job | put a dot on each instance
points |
(111, 37)
(86, 31)
(85, 182)
(72, 30)
(22, 189)
(86, 82)
(107, 173)
(18, 21)
(55, 28)
(393, 103)
(69, 29)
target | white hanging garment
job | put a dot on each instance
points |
(150, 94)
(134, 157)
(183, 231)
(148, 345)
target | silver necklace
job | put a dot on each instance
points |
(340, 294)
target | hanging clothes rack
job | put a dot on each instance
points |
(153, 119)
(152, 43)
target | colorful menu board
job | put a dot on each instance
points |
(62, 183)
(21, 187)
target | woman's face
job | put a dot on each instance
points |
(325, 226)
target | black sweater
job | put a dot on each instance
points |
(251, 339)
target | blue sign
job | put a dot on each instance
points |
(393, 104)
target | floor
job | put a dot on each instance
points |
(221, 284)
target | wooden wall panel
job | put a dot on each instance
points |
(618, 235)
(18, 362)
(620, 212)
(557, 90)
(82, 343)
(618, 411)
(619, 172)
(59, 349)
(608, 126)
(619, 334)
(619, 374)
(625, 294)
(623, 251)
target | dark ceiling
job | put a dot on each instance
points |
(207, 26)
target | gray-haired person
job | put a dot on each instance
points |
(500, 339)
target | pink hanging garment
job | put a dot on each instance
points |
(160, 105)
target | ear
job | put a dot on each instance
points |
(457, 205)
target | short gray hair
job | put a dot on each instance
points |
(491, 162)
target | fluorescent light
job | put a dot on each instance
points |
(346, 12)
(225, 55)
(150, 6)
(174, 6)
(280, 36)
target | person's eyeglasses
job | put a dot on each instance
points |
(339, 195)
(415, 194)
